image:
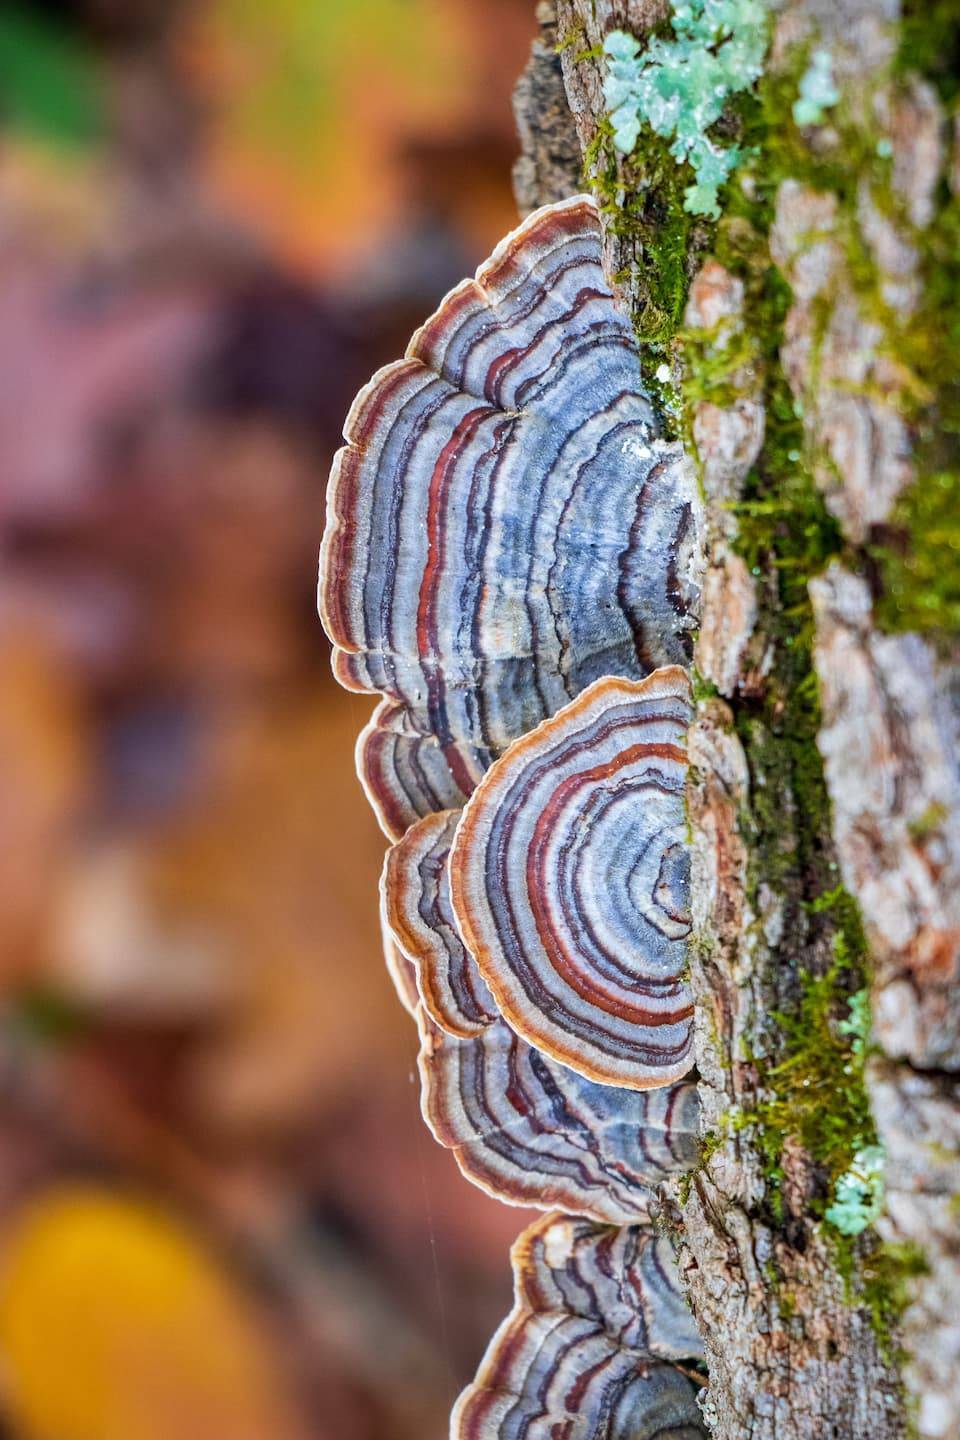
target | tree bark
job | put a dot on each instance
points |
(804, 1332)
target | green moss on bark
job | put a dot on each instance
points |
(930, 44)
(641, 201)
(917, 555)
(812, 1079)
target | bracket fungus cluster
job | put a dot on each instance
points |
(503, 526)
(509, 562)
(598, 1316)
(525, 1127)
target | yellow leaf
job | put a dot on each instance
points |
(116, 1324)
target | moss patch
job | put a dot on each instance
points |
(817, 1093)
(883, 1287)
(919, 562)
(930, 44)
(641, 200)
(917, 555)
(814, 1086)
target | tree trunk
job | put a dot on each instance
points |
(812, 358)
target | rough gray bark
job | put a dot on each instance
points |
(890, 719)
(790, 1357)
(548, 167)
(890, 741)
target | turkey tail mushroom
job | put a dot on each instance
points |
(598, 1316)
(569, 882)
(532, 1132)
(415, 903)
(520, 1125)
(510, 562)
(503, 527)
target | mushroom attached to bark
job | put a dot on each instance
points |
(522, 1126)
(569, 880)
(532, 1132)
(598, 1316)
(417, 915)
(503, 527)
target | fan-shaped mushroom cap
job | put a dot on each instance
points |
(415, 903)
(596, 1314)
(569, 881)
(531, 1132)
(502, 525)
(522, 1126)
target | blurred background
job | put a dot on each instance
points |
(220, 1215)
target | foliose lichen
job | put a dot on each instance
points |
(858, 1198)
(818, 92)
(680, 86)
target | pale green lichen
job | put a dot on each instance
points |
(858, 1196)
(818, 91)
(679, 86)
(858, 1025)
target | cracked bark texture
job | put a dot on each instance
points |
(548, 167)
(790, 1357)
(891, 741)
